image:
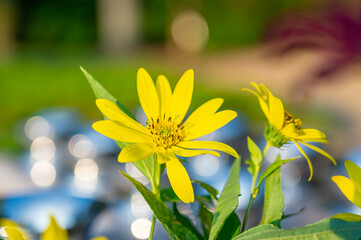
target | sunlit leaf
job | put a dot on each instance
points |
(273, 199)
(164, 215)
(228, 200)
(326, 229)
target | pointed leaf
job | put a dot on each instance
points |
(255, 152)
(325, 229)
(211, 190)
(185, 221)
(162, 212)
(147, 167)
(273, 167)
(228, 200)
(101, 93)
(231, 228)
(168, 195)
(273, 199)
(206, 217)
(347, 217)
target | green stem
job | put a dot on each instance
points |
(254, 191)
(156, 190)
(152, 228)
(247, 213)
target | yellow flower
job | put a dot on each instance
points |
(350, 187)
(12, 231)
(54, 231)
(284, 128)
(165, 133)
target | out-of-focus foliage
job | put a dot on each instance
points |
(58, 21)
(231, 23)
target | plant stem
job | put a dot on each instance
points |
(156, 190)
(254, 191)
(247, 213)
(152, 228)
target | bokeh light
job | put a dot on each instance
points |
(205, 165)
(42, 149)
(43, 173)
(190, 31)
(86, 170)
(81, 147)
(141, 228)
(36, 127)
(139, 206)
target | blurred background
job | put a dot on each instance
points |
(52, 162)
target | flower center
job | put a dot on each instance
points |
(290, 119)
(165, 132)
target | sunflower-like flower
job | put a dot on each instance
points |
(350, 187)
(165, 133)
(13, 231)
(284, 128)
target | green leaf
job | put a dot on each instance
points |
(148, 167)
(255, 152)
(273, 199)
(347, 217)
(273, 167)
(326, 229)
(251, 167)
(162, 212)
(101, 93)
(231, 228)
(211, 190)
(185, 221)
(228, 200)
(206, 217)
(168, 195)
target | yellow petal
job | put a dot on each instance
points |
(100, 238)
(162, 155)
(165, 95)
(147, 93)
(115, 130)
(315, 140)
(310, 133)
(54, 231)
(179, 180)
(135, 152)
(182, 96)
(289, 131)
(262, 103)
(307, 158)
(348, 188)
(13, 230)
(113, 112)
(191, 153)
(203, 113)
(209, 145)
(354, 172)
(16, 233)
(209, 125)
(4, 222)
(276, 112)
(320, 151)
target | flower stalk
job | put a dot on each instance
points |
(254, 190)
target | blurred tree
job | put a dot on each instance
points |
(57, 21)
(118, 25)
(7, 26)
